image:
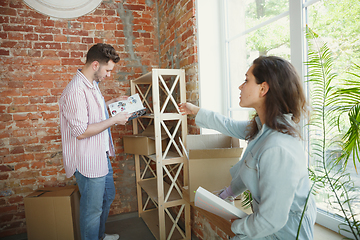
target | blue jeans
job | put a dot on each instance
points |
(97, 194)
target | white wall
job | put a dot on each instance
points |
(210, 53)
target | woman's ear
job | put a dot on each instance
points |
(264, 89)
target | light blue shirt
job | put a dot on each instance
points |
(273, 168)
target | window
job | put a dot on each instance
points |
(272, 27)
(253, 28)
(336, 23)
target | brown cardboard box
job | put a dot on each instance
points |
(53, 213)
(143, 143)
(210, 159)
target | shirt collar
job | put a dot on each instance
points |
(84, 79)
(258, 123)
(262, 127)
(287, 117)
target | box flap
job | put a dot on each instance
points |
(215, 153)
(235, 142)
(149, 132)
(54, 191)
(60, 193)
(209, 141)
(210, 173)
(35, 194)
(142, 136)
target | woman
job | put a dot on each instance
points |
(273, 167)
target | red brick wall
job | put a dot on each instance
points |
(178, 45)
(178, 49)
(39, 56)
(204, 229)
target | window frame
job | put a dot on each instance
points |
(298, 53)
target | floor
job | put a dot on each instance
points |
(129, 226)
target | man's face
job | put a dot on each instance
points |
(104, 71)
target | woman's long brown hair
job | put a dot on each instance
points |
(285, 95)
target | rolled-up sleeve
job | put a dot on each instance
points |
(212, 120)
(74, 107)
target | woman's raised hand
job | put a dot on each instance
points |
(188, 108)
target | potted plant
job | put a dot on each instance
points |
(328, 146)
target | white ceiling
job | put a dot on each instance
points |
(63, 8)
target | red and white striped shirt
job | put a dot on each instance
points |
(80, 106)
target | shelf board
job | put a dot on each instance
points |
(165, 73)
(170, 157)
(165, 116)
(170, 116)
(151, 218)
(144, 79)
(151, 115)
(150, 187)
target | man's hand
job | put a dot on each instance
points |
(96, 128)
(121, 118)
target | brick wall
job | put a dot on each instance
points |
(39, 56)
(178, 45)
(178, 49)
(204, 229)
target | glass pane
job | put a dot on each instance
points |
(272, 39)
(235, 17)
(258, 11)
(238, 65)
(246, 14)
(336, 23)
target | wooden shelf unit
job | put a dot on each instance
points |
(160, 91)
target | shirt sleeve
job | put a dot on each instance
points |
(227, 126)
(278, 182)
(75, 111)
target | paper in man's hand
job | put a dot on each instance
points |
(131, 105)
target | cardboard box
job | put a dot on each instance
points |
(53, 213)
(144, 143)
(210, 159)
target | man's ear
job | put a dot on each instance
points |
(264, 89)
(95, 65)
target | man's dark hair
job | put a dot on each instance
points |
(102, 53)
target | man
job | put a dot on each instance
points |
(86, 140)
